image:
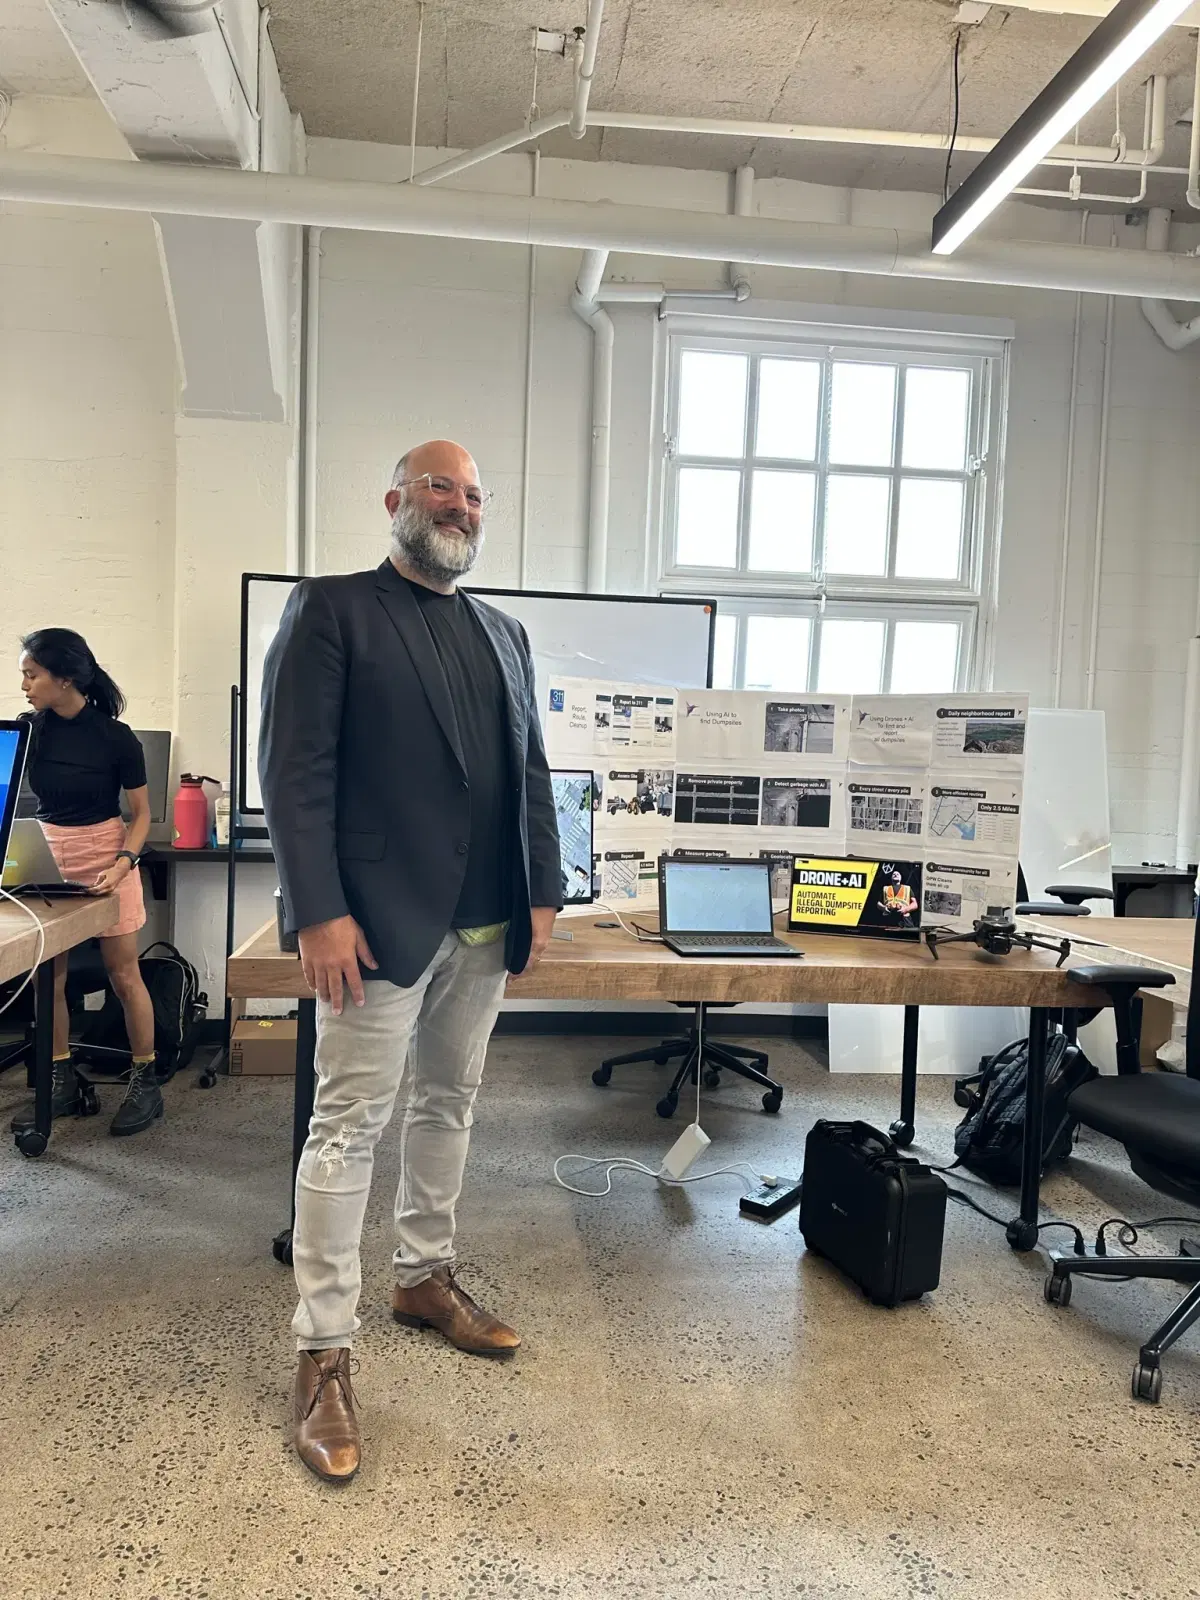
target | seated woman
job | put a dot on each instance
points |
(80, 758)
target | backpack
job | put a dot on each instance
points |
(988, 1139)
(180, 1011)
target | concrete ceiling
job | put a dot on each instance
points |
(35, 57)
(347, 66)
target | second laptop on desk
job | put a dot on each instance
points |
(717, 908)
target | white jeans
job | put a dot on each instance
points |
(433, 1038)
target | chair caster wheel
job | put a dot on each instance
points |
(281, 1247)
(1147, 1383)
(30, 1142)
(1021, 1235)
(667, 1105)
(773, 1100)
(661, 1061)
(89, 1100)
(902, 1134)
(207, 1079)
(712, 1079)
(1057, 1291)
(601, 1076)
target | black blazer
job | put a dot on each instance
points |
(362, 771)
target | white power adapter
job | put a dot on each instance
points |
(685, 1152)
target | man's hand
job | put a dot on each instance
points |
(330, 953)
(543, 926)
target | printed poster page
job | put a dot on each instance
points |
(585, 716)
(569, 720)
(761, 731)
(708, 799)
(629, 797)
(885, 813)
(974, 812)
(891, 730)
(798, 728)
(960, 891)
(980, 731)
(811, 801)
(629, 871)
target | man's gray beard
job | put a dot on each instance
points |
(420, 544)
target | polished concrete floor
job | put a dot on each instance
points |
(698, 1408)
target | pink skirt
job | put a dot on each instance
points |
(84, 853)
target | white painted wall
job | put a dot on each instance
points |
(422, 337)
(87, 424)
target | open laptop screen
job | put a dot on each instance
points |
(716, 896)
(14, 737)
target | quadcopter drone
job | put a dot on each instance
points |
(997, 935)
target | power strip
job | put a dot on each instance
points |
(685, 1152)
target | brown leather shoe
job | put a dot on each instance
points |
(326, 1429)
(441, 1302)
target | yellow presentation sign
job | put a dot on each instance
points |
(837, 894)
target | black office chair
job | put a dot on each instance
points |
(1156, 1116)
(701, 1056)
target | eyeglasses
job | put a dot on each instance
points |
(445, 488)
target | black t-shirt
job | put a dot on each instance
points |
(79, 765)
(477, 693)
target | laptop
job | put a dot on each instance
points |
(14, 742)
(717, 908)
(30, 865)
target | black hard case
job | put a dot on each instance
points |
(876, 1214)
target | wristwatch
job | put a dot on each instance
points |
(129, 856)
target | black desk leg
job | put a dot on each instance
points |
(33, 1141)
(1022, 1231)
(903, 1131)
(302, 1105)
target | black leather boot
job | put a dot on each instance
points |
(65, 1098)
(143, 1101)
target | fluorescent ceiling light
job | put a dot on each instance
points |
(1122, 38)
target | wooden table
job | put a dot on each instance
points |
(609, 964)
(66, 923)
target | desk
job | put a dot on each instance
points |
(67, 923)
(611, 965)
(1157, 941)
(1128, 880)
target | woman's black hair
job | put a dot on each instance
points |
(66, 655)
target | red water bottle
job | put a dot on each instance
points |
(189, 813)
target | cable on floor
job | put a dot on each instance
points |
(613, 1164)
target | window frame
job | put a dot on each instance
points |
(969, 599)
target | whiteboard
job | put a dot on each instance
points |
(626, 638)
(1066, 836)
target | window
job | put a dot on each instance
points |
(837, 500)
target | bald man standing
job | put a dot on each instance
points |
(410, 808)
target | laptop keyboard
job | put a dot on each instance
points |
(707, 941)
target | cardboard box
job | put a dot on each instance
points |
(263, 1047)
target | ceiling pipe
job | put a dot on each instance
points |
(146, 186)
(743, 206)
(494, 147)
(586, 305)
(585, 67)
(1086, 156)
(1064, 564)
(1174, 334)
(1101, 491)
(1154, 142)
(1193, 183)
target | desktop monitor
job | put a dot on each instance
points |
(14, 741)
(156, 747)
(573, 810)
